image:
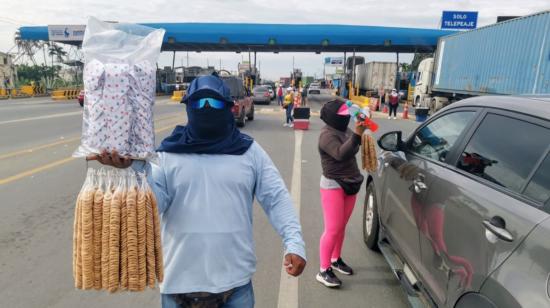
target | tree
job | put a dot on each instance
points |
(39, 74)
(56, 51)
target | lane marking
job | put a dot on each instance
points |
(57, 163)
(57, 115)
(66, 114)
(61, 142)
(288, 286)
(35, 170)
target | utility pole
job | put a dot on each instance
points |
(173, 60)
(188, 59)
(353, 72)
(397, 81)
(255, 73)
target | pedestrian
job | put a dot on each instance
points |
(393, 103)
(207, 176)
(340, 183)
(304, 95)
(280, 95)
(288, 105)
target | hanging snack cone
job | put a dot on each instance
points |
(88, 236)
(131, 204)
(142, 240)
(105, 232)
(98, 221)
(77, 243)
(150, 239)
(123, 242)
(159, 267)
(114, 237)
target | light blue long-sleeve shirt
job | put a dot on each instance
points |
(205, 204)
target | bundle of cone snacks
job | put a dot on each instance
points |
(116, 233)
(368, 153)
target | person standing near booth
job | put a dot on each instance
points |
(280, 95)
(393, 103)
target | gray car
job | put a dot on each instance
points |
(460, 208)
(260, 94)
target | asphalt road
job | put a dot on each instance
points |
(39, 181)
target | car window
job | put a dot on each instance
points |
(235, 86)
(539, 186)
(437, 138)
(504, 150)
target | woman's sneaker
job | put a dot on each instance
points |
(342, 267)
(328, 278)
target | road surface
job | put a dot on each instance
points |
(39, 181)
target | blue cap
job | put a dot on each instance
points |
(208, 86)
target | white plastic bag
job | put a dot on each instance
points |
(119, 84)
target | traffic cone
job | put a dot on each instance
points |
(406, 111)
(385, 109)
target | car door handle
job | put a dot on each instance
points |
(497, 226)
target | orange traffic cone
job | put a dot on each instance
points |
(406, 111)
(385, 109)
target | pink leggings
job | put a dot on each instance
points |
(337, 209)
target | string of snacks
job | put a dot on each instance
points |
(368, 153)
(116, 238)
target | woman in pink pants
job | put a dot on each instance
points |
(340, 182)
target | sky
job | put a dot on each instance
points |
(418, 14)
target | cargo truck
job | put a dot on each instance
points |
(373, 77)
(506, 58)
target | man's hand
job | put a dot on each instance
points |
(111, 159)
(294, 264)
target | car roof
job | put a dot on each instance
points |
(538, 106)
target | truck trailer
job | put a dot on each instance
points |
(375, 77)
(506, 58)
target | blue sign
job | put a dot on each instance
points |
(459, 20)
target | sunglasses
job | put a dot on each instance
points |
(212, 102)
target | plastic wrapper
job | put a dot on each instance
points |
(116, 239)
(119, 84)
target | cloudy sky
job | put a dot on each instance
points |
(399, 13)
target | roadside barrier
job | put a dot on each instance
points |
(406, 111)
(177, 96)
(65, 94)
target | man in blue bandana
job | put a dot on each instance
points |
(205, 183)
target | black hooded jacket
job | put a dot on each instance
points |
(338, 145)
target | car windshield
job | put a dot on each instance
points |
(260, 90)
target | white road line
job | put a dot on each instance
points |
(57, 115)
(288, 287)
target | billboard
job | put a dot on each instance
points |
(334, 61)
(458, 20)
(66, 32)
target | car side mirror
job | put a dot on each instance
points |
(391, 142)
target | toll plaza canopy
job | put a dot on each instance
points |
(281, 37)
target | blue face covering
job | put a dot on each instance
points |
(208, 131)
(211, 125)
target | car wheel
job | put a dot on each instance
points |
(241, 122)
(250, 117)
(370, 219)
